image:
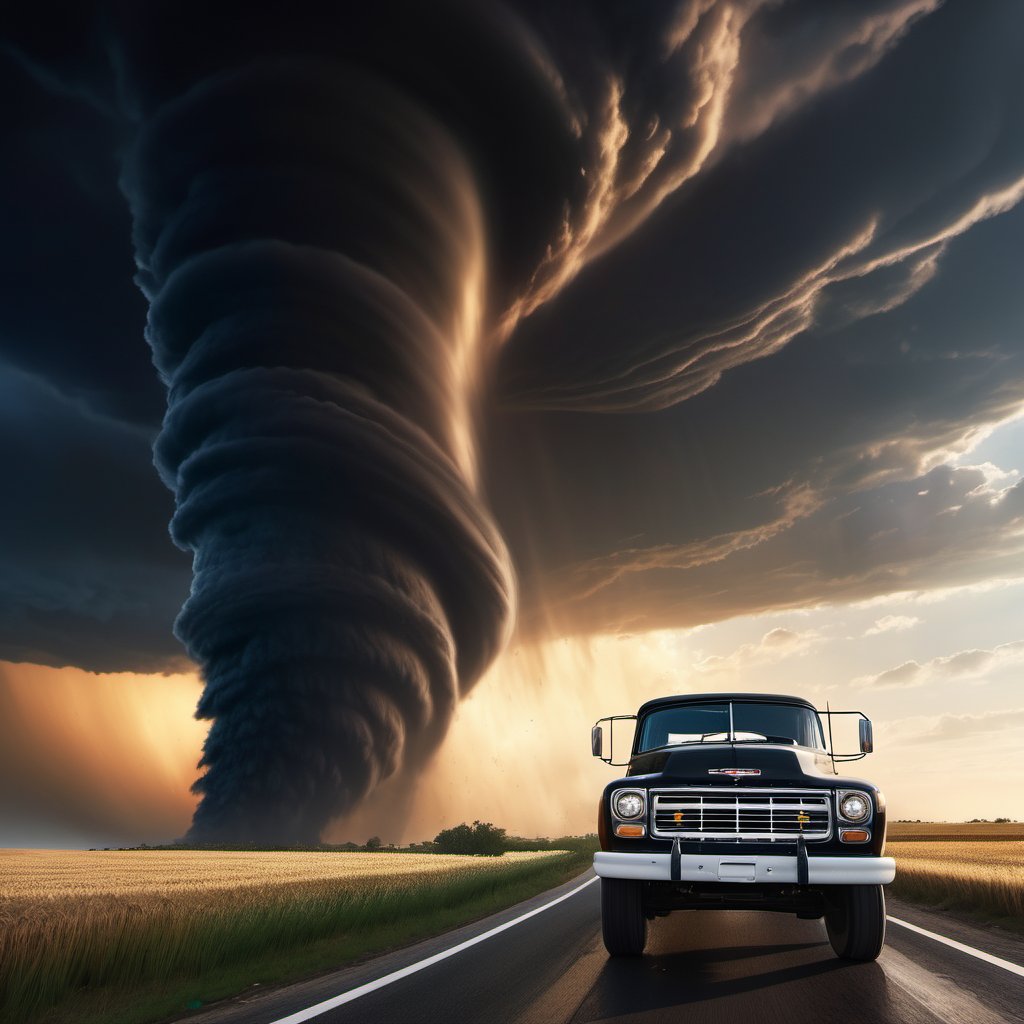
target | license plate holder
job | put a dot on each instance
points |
(737, 870)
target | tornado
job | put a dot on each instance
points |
(311, 244)
(339, 219)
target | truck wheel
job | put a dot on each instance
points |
(855, 921)
(623, 923)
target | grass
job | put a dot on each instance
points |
(138, 936)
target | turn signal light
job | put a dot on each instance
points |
(630, 831)
(854, 835)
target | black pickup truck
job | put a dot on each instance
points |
(733, 801)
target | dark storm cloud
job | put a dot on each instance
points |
(871, 376)
(339, 218)
(845, 208)
(87, 576)
(795, 480)
(68, 309)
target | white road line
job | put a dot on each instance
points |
(969, 950)
(373, 986)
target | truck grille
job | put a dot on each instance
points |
(758, 814)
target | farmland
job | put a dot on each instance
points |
(51, 876)
(975, 867)
(956, 831)
(83, 934)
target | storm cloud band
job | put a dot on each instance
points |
(311, 245)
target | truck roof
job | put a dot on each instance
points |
(692, 698)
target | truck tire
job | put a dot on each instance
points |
(623, 923)
(855, 921)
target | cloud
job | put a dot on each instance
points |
(669, 317)
(872, 263)
(65, 221)
(945, 527)
(790, 479)
(969, 664)
(783, 69)
(834, 245)
(892, 624)
(88, 575)
(952, 727)
(776, 645)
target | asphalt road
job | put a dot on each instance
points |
(700, 966)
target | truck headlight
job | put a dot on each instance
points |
(855, 806)
(629, 804)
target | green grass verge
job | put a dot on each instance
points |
(158, 967)
(975, 901)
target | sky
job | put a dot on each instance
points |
(471, 373)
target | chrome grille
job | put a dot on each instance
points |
(758, 814)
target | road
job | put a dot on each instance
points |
(703, 967)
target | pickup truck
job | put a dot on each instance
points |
(733, 801)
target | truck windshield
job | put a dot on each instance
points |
(752, 723)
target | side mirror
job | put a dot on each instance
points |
(867, 742)
(597, 741)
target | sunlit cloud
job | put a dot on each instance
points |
(950, 727)
(776, 645)
(963, 665)
(950, 526)
(892, 624)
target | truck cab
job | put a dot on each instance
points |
(734, 801)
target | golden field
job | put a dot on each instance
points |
(976, 870)
(64, 874)
(136, 935)
(954, 831)
(187, 926)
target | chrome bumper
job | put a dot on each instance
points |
(731, 867)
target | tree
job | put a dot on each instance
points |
(373, 843)
(479, 838)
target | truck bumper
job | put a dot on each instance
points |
(700, 867)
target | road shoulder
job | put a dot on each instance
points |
(988, 938)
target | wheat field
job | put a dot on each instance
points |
(124, 920)
(192, 923)
(41, 875)
(956, 831)
(983, 877)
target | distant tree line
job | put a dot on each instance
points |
(482, 838)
